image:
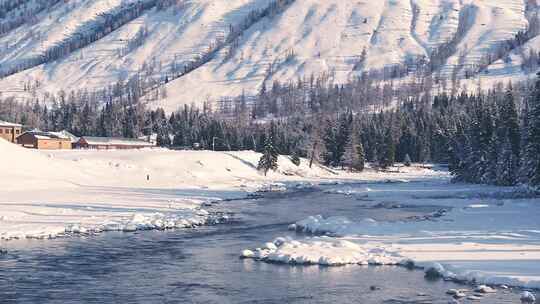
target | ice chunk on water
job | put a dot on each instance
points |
(322, 251)
(527, 297)
(247, 254)
(484, 289)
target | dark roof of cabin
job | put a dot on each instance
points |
(92, 140)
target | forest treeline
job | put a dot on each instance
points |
(488, 137)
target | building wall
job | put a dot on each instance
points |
(10, 133)
(84, 145)
(27, 140)
(53, 144)
(118, 147)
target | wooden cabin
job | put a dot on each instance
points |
(10, 131)
(106, 143)
(44, 140)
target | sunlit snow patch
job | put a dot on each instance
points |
(154, 221)
(321, 251)
(478, 206)
(458, 249)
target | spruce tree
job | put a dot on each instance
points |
(354, 156)
(525, 170)
(360, 161)
(506, 165)
(533, 133)
(506, 145)
(388, 152)
(490, 158)
(509, 117)
(269, 159)
(330, 144)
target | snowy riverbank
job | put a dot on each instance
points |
(50, 193)
(477, 234)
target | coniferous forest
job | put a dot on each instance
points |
(490, 137)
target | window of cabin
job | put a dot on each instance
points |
(1, 131)
(17, 131)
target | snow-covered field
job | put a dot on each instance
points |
(478, 234)
(50, 193)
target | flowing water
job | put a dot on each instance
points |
(203, 265)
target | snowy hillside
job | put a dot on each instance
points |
(85, 44)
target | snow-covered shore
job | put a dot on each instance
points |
(483, 234)
(50, 193)
(480, 234)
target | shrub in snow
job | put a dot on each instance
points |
(295, 159)
(432, 274)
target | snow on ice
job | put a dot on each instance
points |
(322, 251)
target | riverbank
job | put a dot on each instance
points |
(202, 265)
(476, 234)
(46, 194)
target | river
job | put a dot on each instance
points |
(203, 265)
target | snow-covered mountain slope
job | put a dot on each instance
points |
(299, 39)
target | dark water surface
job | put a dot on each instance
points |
(203, 265)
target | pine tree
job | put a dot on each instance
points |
(360, 160)
(330, 144)
(525, 170)
(354, 156)
(388, 152)
(533, 147)
(458, 152)
(315, 147)
(335, 139)
(509, 117)
(269, 159)
(505, 148)
(506, 165)
(490, 161)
